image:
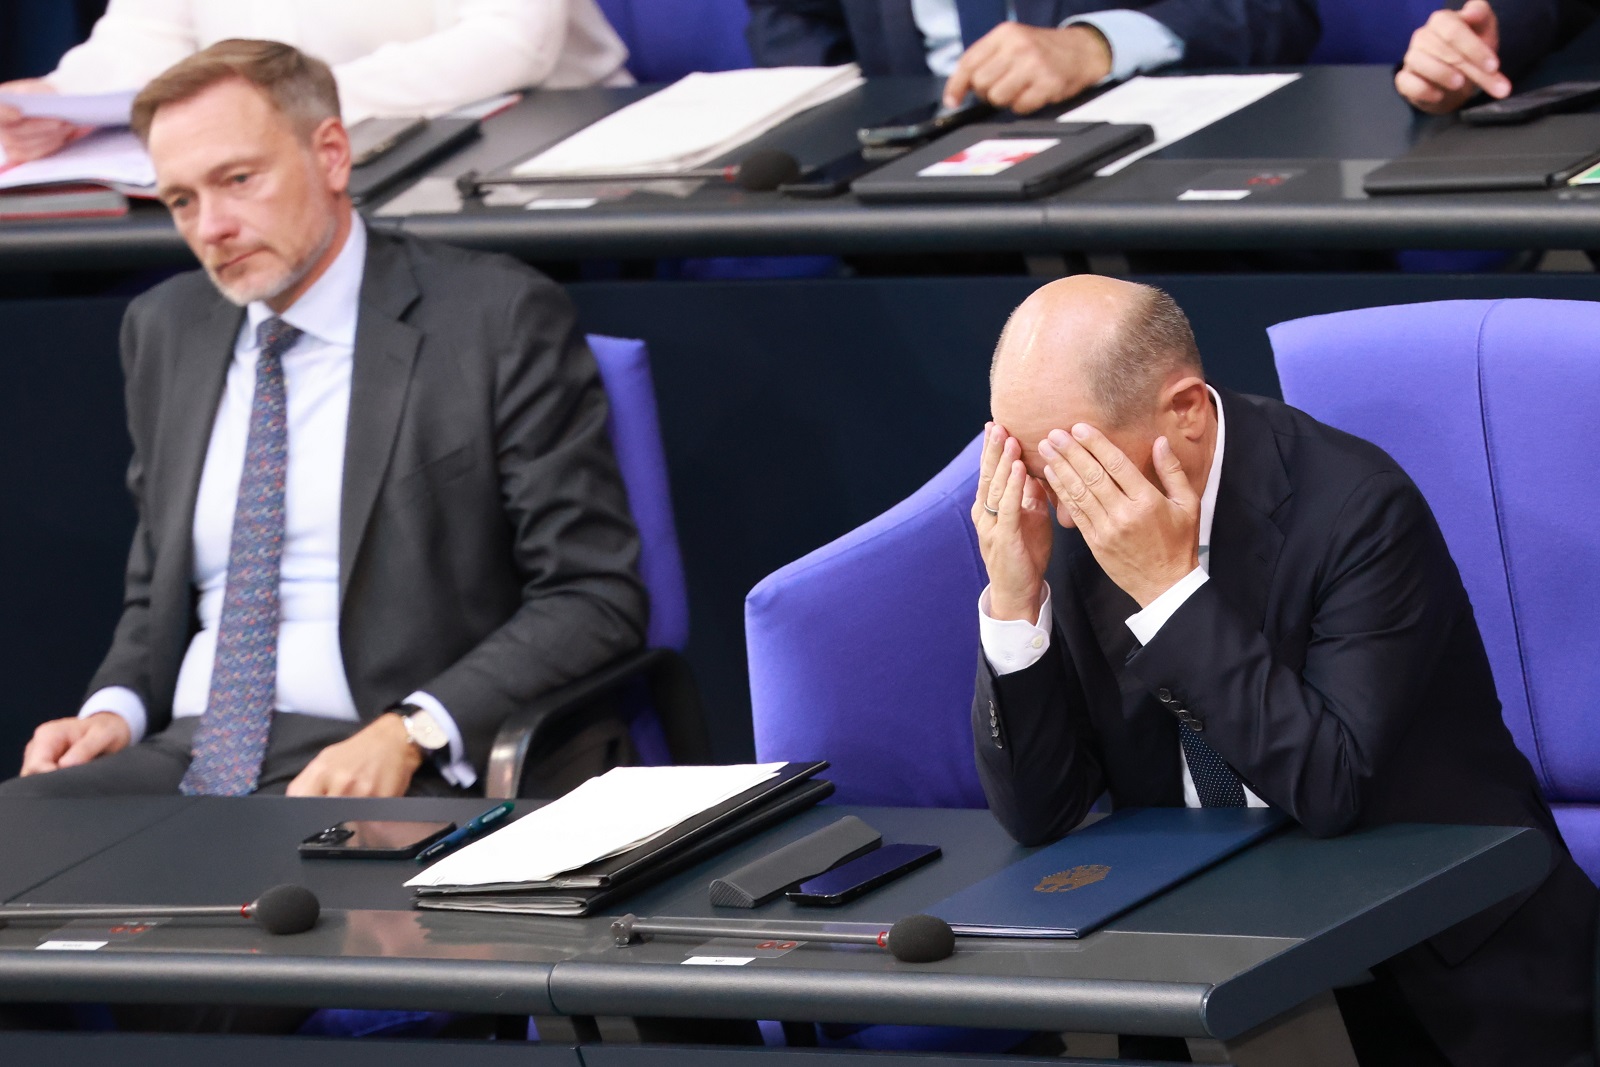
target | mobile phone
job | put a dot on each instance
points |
(923, 124)
(373, 839)
(371, 138)
(1525, 107)
(831, 178)
(850, 880)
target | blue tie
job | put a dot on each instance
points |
(1214, 781)
(978, 17)
(232, 738)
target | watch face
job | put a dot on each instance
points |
(424, 731)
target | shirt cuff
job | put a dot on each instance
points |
(1017, 644)
(1147, 623)
(457, 771)
(119, 700)
(1138, 42)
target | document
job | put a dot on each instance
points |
(90, 109)
(105, 157)
(693, 121)
(1176, 106)
(620, 809)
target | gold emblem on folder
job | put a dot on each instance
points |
(1076, 878)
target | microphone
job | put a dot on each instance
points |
(760, 172)
(914, 939)
(283, 909)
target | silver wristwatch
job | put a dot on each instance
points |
(422, 729)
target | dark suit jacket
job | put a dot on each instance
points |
(486, 552)
(883, 38)
(1334, 662)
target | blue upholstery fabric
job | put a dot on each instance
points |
(863, 652)
(1368, 31)
(1469, 397)
(667, 39)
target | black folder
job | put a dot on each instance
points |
(590, 888)
(1475, 159)
(410, 158)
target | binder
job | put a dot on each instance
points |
(1088, 878)
(1475, 159)
(410, 158)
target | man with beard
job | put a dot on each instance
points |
(378, 509)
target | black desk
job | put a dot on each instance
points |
(1334, 124)
(1218, 958)
(43, 838)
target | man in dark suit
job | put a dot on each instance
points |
(1048, 51)
(378, 509)
(1236, 604)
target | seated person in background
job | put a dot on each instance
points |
(1028, 54)
(390, 57)
(378, 507)
(1456, 54)
(1237, 605)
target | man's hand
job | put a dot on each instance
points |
(1026, 68)
(1015, 542)
(72, 742)
(1452, 56)
(1145, 539)
(378, 761)
(26, 139)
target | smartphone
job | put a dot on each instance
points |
(831, 178)
(1525, 107)
(923, 124)
(373, 839)
(371, 138)
(850, 880)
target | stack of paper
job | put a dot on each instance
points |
(85, 109)
(604, 816)
(108, 157)
(693, 121)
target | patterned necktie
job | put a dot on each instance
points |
(1214, 780)
(232, 738)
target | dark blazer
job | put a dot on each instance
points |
(486, 552)
(882, 36)
(1334, 662)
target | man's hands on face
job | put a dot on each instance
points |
(1025, 68)
(26, 139)
(73, 742)
(377, 761)
(1015, 542)
(1451, 57)
(1144, 538)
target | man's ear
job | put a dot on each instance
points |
(1188, 401)
(330, 142)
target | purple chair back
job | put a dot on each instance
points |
(667, 39)
(1468, 396)
(863, 652)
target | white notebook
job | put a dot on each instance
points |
(693, 121)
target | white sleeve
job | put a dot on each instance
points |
(131, 43)
(1138, 42)
(456, 770)
(1145, 624)
(493, 46)
(1016, 644)
(119, 700)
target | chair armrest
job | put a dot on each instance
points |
(539, 728)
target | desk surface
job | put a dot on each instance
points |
(1222, 953)
(1329, 128)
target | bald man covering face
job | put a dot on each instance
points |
(1203, 598)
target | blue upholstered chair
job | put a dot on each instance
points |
(667, 39)
(1487, 405)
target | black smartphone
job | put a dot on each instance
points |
(371, 138)
(863, 874)
(1525, 107)
(373, 839)
(923, 124)
(831, 178)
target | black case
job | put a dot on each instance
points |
(1083, 148)
(409, 158)
(1475, 159)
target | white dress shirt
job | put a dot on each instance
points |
(316, 373)
(1017, 644)
(1138, 42)
(390, 57)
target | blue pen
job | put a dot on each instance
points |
(460, 837)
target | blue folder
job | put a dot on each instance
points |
(1090, 877)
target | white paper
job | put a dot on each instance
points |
(108, 157)
(694, 120)
(624, 807)
(1176, 106)
(718, 961)
(1213, 194)
(92, 109)
(71, 946)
